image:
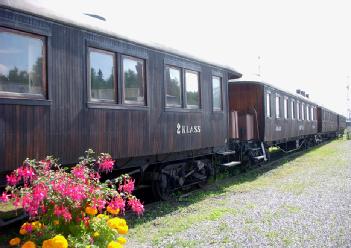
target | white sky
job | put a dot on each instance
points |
(302, 44)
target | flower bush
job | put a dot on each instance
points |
(71, 208)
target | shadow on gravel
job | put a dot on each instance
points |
(213, 189)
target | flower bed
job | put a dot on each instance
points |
(71, 208)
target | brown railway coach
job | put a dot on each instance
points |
(277, 116)
(68, 87)
(327, 120)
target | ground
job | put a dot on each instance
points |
(303, 202)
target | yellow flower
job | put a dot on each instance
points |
(59, 241)
(15, 241)
(29, 244)
(90, 210)
(103, 216)
(114, 244)
(96, 234)
(56, 222)
(122, 229)
(48, 243)
(112, 210)
(121, 240)
(36, 225)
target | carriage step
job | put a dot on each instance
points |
(231, 164)
(255, 149)
(259, 157)
(226, 153)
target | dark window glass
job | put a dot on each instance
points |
(192, 89)
(173, 85)
(133, 80)
(102, 75)
(22, 64)
(217, 93)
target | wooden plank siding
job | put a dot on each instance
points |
(327, 120)
(285, 129)
(244, 98)
(65, 125)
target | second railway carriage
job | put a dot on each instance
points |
(262, 115)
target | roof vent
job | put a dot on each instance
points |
(298, 91)
(302, 93)
(307, 95)
(96, 16)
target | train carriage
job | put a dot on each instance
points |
(69, 86)
(277, 116)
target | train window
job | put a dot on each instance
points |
(102, 79)
(285, 108)
(22, 65)
(277, 106)
(293, 110)
(133, 80)
(298, 110)
(312, 113)
(307, 112)
(268, 105)
(192, 89)
(303, 111)
(217, 93)
(173, 87)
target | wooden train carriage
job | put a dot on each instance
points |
(66, 87)
(341, 123)
(327, 120)
(281, 116)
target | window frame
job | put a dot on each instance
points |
(30, 96)
(128, 102)
(303, 105)
(286, 107)
(181, 87)
(115, 83)
(277, 110)
(221, 93)
(185, 92)
(293, 109)
(269, 102)
(298, 110)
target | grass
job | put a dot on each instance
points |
(171, 218)
(164, 219)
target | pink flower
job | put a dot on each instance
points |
(78, 172)
(117, 202)
(26, 172)
(106, 164)
(64, 212)
(128, 186)
(4, 197)
(136, 206)
(12, 179)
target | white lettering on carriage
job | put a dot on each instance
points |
(278, 128)
(188, 129)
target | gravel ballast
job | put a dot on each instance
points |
(305, 202)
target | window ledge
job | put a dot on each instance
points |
(183, 110)
(33, 102)
(95, 105)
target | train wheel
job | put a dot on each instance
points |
(207, 171)
(161, 187)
